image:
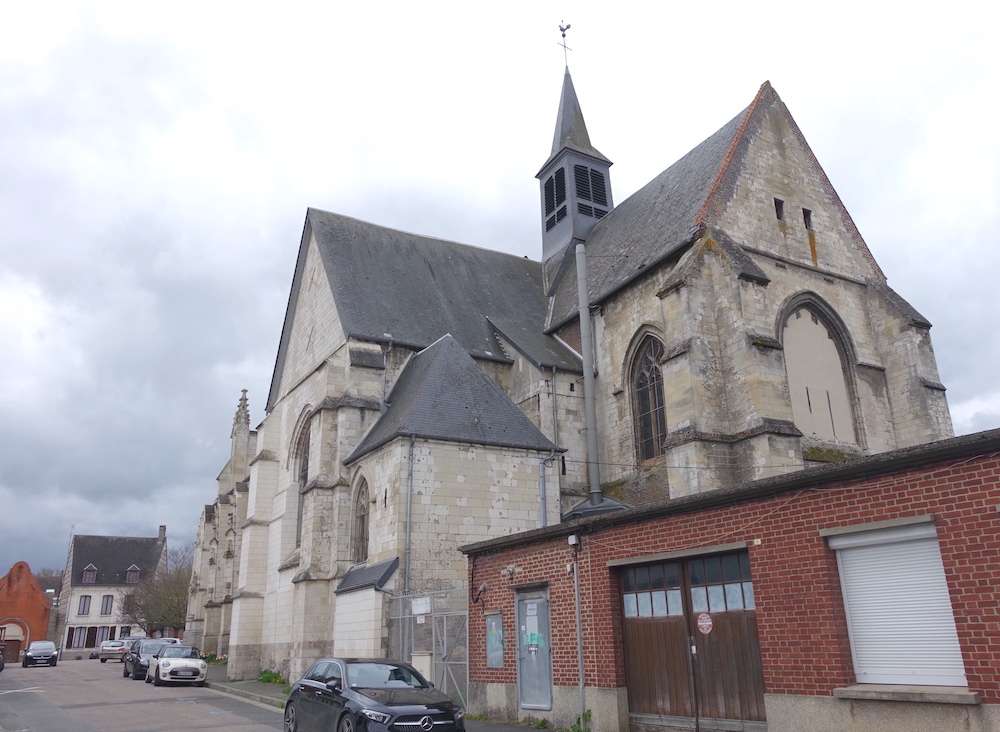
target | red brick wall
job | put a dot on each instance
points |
(21, 598)
(803, 631)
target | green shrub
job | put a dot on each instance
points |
(271, 677)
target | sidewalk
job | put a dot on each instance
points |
(274, 695)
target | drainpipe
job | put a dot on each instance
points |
(542, 462)
(543, 504)
(383, 405)
(407, 643)
(575, 540)
(589, 400)
(409, 516)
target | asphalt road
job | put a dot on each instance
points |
(88, 696)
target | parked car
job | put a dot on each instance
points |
(375, 694)
(114, 650)
(136, 660)
(174, 662)
(40, 652)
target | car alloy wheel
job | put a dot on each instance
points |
(346, 724)
(291, 724)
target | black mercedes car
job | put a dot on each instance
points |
(369, 695)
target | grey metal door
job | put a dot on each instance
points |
(534, 652)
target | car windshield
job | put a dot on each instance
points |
(113, 644)
(374, 675)
(42, 646)
(151, 647)
(174, 651)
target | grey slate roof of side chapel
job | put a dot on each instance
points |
(113, 555)
(442, 394)
(411, 289)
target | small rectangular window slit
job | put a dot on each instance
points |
(779, 209)
(807, 218)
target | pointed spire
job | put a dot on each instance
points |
(242, 418)
(571, 130)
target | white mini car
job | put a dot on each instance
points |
(174, 662)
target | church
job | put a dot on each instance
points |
(723, 324)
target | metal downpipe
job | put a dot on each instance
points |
(589, 399)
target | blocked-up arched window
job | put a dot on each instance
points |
(816, 365)
(359, 538)
(647, 400)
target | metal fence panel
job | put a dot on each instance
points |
(436, 624)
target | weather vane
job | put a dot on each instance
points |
(563, 29)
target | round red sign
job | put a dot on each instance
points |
(704, 623)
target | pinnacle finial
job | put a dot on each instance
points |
(242, 417)
(563, 29)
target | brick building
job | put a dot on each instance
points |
(734, 326)
(846, 598)
(24, 611)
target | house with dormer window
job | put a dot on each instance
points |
(99, 571)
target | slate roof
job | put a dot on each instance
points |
(367, 575)
(571, 130)
(442, 394)
(411, 289)
(113, 555)
(662, 217)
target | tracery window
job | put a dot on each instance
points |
(647, 386)
(359, 540)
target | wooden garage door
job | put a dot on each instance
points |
(662, 604)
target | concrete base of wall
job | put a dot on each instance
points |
(797, 713)
(608, 707)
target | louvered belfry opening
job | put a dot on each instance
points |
(591, 186)
(555, 195)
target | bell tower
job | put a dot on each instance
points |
(575, 183)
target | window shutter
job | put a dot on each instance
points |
(899, 613)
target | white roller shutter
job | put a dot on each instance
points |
(898, 609)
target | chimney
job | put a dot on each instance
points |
(163, 532)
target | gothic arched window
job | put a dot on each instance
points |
(647, 388)
(815, 365)
(303, 479)
(359, 540)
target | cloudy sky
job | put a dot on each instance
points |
(156, 165)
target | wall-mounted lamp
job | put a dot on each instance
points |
(482, 588)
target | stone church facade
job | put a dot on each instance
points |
(429, 394)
